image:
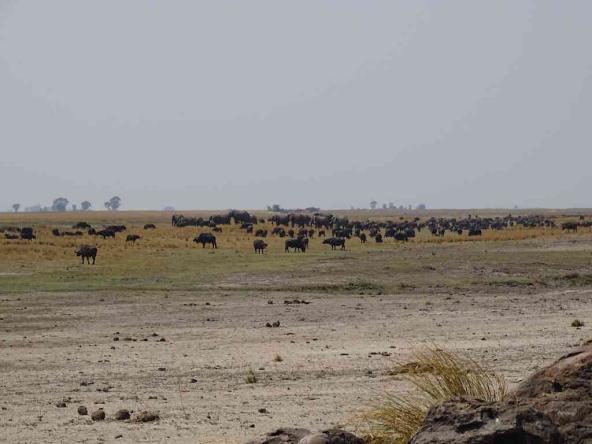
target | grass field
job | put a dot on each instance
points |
(166, 258)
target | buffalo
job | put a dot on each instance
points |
(10, 236)
(87, 252)
(106, 233)
(259, 245)
(149, 227)
(363, 238)
(335, 242)
(81, 226)
(206, 238)
(261, 233)
(297, 244)
(27, 233)
(132, 238)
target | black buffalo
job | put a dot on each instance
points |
(261, 233)
(297, 244)
(259, 245)
(149, 227)
(106, 233)
(335, 242)
(206, 238)
(86, 252)
(132, 238)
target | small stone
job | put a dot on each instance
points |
(98, 415)
(61, 404)
(82, 410)
(122, 415)
(147, 417)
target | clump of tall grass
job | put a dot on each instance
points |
(436, 376)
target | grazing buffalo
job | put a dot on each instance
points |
(106, 233)
(280, 220)
(569, 226)
(92, 232)
(81, 226)
(10, 236)
(311, 233)
(300, 219)
(297, 244)
(116, 228)
(378, 238)
(220, 219)
(86, 252)
(279, 231)
(261, 233)
(132, 238)
(475, 232)
(56, 232)
(206, 238)
(321, 233)
(363, 238)
(27, 233)
(149, 227)
(291, 233)
(335, 242)
(259, 245)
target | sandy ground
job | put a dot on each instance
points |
(335, 353)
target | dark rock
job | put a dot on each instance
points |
(61, 404)
(552, 406)
(122, 415)
(303, 436)
(82, 410)
(147, 417)
(98, 415)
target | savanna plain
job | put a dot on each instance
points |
(165, 326)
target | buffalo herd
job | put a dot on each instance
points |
(298, 229)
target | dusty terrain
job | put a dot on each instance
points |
(509, 304)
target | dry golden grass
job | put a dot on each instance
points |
(436, 376)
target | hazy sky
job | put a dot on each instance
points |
(220, 104)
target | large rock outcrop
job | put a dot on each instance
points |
(552, 406)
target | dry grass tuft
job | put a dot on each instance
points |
(436, 376)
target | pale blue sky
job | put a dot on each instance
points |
(225, 104)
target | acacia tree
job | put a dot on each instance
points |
(16, 207)
(113, 204)
(60, 204)
(85, 205)
(373, 204)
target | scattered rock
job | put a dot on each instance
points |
(303, 436)
(61, 404)
(122, 415)
(98, 415)
(82, 410)
(193, 380)
(263, 410)
(147, 416)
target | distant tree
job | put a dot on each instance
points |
(16, 207)
(169, 208)
(60, 204)
(421, 206)
(276, 207)
(85, 205)
(74, 207)
(113, 204)
(392, 206)
(373, 204)
(384, 206)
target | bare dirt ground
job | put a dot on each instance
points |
(335, 351)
